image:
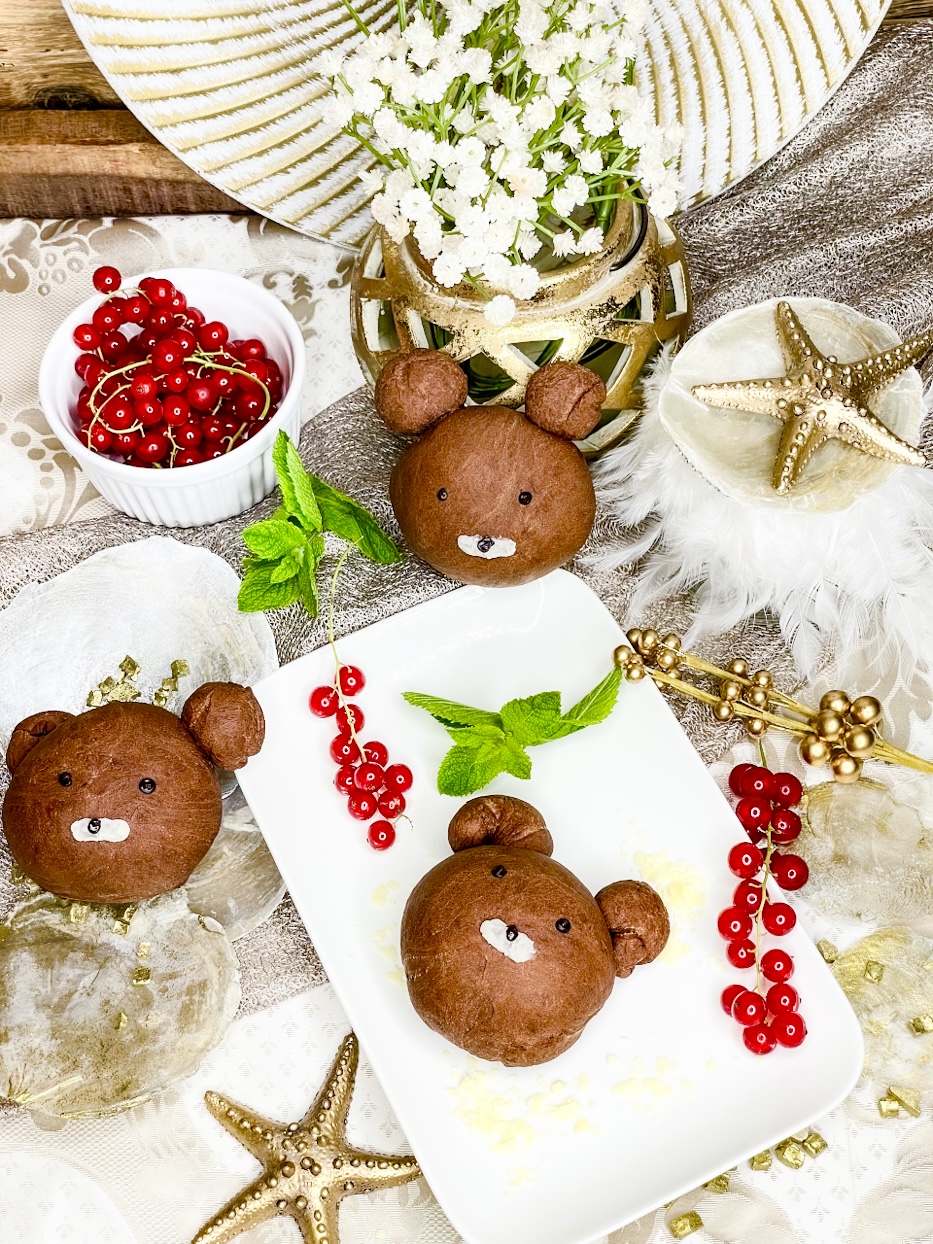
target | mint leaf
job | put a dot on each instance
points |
(295, 483)
(595, 706)
(515, 760)
(467, 769)
(351, 521)
(272, 538)
(476, 736)
(532, 720)
(288, 566)
(307, 585)
(258, 591)
(450, 713)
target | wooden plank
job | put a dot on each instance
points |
(43, 62)
(909, 10)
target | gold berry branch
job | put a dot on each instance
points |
(844, 730)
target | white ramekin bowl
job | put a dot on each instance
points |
(207, 491)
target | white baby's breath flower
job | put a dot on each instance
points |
(573, 193)
(429, 87)
(389, 128)
(396, 226)
(449, 269)
(472, 181)
(557, 89)
(421, 40)
(579, 17)
(497, 270)
(372, 180)
(382, 208)
(430, 236)
(415, 204)
(378, 45)
(476, 63)
(542, 58)
(539, 114)
(463, 18)
(523, 280)
(590, 241)
(553, 162)
(527, 181)
(532, 23)
(598, 46)
(470, 151)
(368, 98)
(564, 243)
(500, 310)
(463, 122)
(598, 122)
(329, 63)
(358, 71)
(566, 44)
(338, 110)
(590, 162)
(529, 244)
(662, 202)
(571, 136)
(398, 181)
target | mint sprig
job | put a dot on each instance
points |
(487, 744)
(288, 547)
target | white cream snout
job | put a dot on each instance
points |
(507, 939)
(100, 829)
(486, 546)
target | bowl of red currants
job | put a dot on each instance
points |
(170, 388)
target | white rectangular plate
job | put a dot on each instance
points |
(659, 1094)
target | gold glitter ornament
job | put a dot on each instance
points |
(649, 641)
(835, 702)
(873, 971)
(763, 679)
(827, 950)
(308, 1167)
(865, 710)
(821, 399)
(635, 672)
(671, 641)
(634, 636)
(622, 655)
(920, 1025)
(667, 660)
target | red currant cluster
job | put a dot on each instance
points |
(162, 387)
(364, 775)
(768, 1013)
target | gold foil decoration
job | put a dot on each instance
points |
(634, 293)
(888, 1107)
(143, 950)
(827, 950)
(791, 1153)
(719, 1184)
(761, 1161)
(124, 690)
(820, 399)
(685, 1224)
(168, 687)
(921, 1024)
(908, 1099)
(308, 1167)
(120, 1022)
(814, 1144)
(874, 971)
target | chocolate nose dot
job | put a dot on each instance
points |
(485, 543)
(499, 870)
(511, 932)
(93, 825)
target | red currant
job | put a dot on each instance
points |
(83, 363)
(107, 317)
(789, 871)
(777, 965)
(201, 394)
(153, 447)
(188, 457)
(735, 777)
(381, 835)
(391, 804)
(785, 825)
(87, 337)
(759, 783)
(789, 1029)
(185, 338)
(749, 1008)
(252, 349)
(248, 405)
(323, 701)
(741, 954)
(112, 346)
(148, 411)
(745, 859)
(158, 290)
(729, 995)
(350, 679)
(362, 805)
(344, 779)
(779, 918)
(759, 1039)
(782, 998)
(176, 381)
(125, 443)
(753, 813)
(225, 383)
(345, 752)
(188, 436)
(178, 301)
(350, 718)
(398, 778)
(159, 322)
(118, 414)
(734, 924)
(136, 308)
(143, 385)
(99, 438)
(213, 336)
(195, 318)
(167, 354)
(787, 790)
(369, 777)
(213, 430)
(747, 896)
(106, 279)
(176, 412)
(376, 753)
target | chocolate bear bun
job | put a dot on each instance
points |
(121, 803)
(506, 953)
(487, 497)
(417, 388)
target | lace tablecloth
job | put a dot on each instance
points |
(844, 212)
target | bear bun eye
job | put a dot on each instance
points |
(147, 785)
(499, 871)
(562, 925)
(65, 779)
(442, 494)
(524, 498)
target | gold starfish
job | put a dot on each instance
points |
(309, 1166)
(821, 399)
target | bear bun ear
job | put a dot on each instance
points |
(226, 721)
(638, 923)
(29, 732)
(566, 399)
(417, 389)
(502, 821)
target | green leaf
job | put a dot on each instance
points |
(533, 719)
(295, 483)
(351, 521)
(272, 539)
(515, 760)
(476, 736)
(450, 713)
(307, 586)
(467, 769)
(258, 591)
(289, 565)
(595, 706)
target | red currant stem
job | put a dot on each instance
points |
(205, 361)
(119, 371)
(230, 441)
(331, 601)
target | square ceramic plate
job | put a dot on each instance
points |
(659, 1094)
